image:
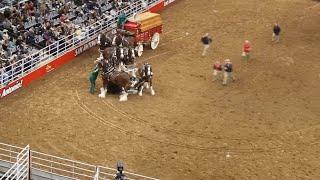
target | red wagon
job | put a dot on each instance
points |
(146, 29)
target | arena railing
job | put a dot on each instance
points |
(20, 169)
(8, 153)
(59, 48)
(54, 165)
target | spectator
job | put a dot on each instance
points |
(4, 77)
(5, 35)
(19, 41)
(276, 33)
(43, 8)
(5, 45)
(206, 41)
(78, 2)
(63, 18)
(30, 8)
(47, 37)
(78, 19)
(30, 37)
(16, 67)
(78, 31)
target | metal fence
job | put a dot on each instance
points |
(20, 169)
(46, 55)
(53, 165)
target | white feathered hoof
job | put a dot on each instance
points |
(140, 93)
(102, 93)
(153, 93)
(147, 85)
(123, 97)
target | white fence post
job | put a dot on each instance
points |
(17, 174)
(29, 165)
(96, 176)
(20, 169)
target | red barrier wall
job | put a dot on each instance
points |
(27, 79)
(157, 8)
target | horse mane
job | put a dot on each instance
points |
(108, 52)
(103, 37)
(119, 39)
(125, 42)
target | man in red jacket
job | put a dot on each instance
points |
(246, 50)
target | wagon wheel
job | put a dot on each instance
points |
(155, 41)
(139, 50)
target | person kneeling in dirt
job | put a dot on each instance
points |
(228, 69)
(217, 69)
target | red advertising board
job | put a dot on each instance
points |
(27, 79)
(161, 5)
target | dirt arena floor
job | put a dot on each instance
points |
(265, 125)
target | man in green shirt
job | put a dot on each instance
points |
(93, 77)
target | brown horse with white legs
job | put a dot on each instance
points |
(111, 76)
(146, 76)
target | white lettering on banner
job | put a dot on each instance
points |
(11, 89)
(49, 68)
(85, 47)
(167, 2)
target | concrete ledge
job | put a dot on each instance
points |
(35, 174)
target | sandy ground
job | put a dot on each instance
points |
(265, 125)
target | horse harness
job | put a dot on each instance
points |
(147, 70)
(115, 42)
(108, 68)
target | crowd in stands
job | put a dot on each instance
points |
(29, 25)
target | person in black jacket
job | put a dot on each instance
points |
(228, 69)
(120, 175)
(276, 33)
(206, 41)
